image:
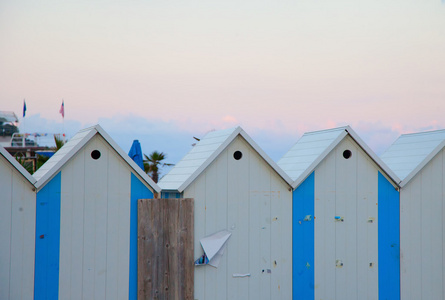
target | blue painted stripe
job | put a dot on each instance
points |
(46, 276)
(389, 240)
(138, 191)
(303, 240)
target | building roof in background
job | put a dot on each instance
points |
(8, 116)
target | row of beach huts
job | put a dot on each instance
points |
(329, 220)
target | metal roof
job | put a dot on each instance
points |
(411, 152)
(56, 162)
(204, 153)
(302, 159)
(8, 116)
(17, 165)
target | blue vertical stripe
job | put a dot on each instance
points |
(138, 191)
(46, 276)
(303, 240)
(389, 240)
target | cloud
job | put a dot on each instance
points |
(37, 124)
(175, 138)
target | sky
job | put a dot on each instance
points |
(165, 71)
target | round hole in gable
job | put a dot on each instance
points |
(95, 154)
(347, 154)
(237, 155)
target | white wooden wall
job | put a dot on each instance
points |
(422, 236)
(17, 230)
(95, 225)
(347, 188)
(250, 200)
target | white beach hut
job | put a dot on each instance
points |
(236, 187)
(345, 218)
(86, 220)
(17, 229)
(419, 161)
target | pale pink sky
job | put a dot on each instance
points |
(277, 68)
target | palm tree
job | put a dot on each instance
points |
(42, 159)
(153, 163)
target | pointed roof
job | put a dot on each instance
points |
(310, 150)
(204, 153)
(56, 162)
(17, 165)
(411, 152)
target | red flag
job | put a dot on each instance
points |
(62, 109)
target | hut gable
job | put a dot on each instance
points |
(86, 220)
(204, 153)
(236, 187)
(74, 145)
(12, 162)
(17, 228)
(340, 188)
(411, 152)
(313, 147)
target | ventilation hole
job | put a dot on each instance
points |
(347, 154)
(95, 154)
(237, 155)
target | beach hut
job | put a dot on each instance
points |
(17, 229)
(345, 218)
(86, 220)
(238, 189)
(419, 161)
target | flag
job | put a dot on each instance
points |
(62, 109)
(24, 107)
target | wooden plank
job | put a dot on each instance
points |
(165, 249)
(415, 239)
(211, 286)
(258, 226)
(363, 225)
(436, 231)
(73, 190)
(286, 239)
(405, 244)
(238, 173)
(321, 221)
(66, 230)
(221, 221)
(372, 240)
(28, 210)
(329, 190)
(185, 249)
(200, 232)
(117, 250)
(350, 172)
(18, 251)
(426, 229)
(277, 240)
(5, 227)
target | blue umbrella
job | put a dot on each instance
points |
(136, 154)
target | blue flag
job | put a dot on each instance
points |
(24, 107)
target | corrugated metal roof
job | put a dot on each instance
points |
(313, 147)
(202, 155)
(411, 152)
(17, 165)
(55, 163)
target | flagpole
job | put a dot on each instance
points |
(24, 120)
(62, 111)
